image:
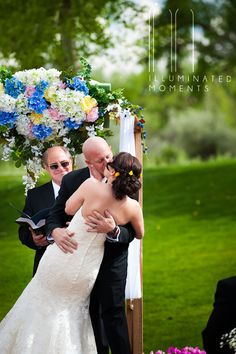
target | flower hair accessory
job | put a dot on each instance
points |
(117, 174)
(131, 173)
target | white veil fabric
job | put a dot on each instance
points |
(127, 143)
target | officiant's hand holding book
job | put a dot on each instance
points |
(36, 222)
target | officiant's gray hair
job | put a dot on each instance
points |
(44, 160)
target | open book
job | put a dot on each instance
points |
(36, 222)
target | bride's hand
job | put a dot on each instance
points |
(99, 223)
(64, 240)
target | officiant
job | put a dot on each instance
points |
(57, 161)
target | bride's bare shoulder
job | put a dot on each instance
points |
(133, 204)
(91, 183)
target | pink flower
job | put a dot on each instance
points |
(92, 115)
(54, 114)
(62, 85)
(173, 350)
(29, 91)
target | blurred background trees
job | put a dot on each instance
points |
(114, 35)
(56, 32)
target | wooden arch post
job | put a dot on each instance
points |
(134, 308)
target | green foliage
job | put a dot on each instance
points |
(168, 153)
(86, 69)
(57, 33)
(84, 72)
(200, 134)
(5, 73)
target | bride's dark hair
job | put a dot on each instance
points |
(127, 171)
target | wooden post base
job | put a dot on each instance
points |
(134, 313)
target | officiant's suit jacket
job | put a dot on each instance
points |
(223, 317)
(107, 297)
(37, 199)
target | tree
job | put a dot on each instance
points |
(214, 29)
(56, 32)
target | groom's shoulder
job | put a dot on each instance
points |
(77, 175)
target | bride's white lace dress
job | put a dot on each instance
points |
(52, 314)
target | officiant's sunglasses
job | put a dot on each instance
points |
(54, 166)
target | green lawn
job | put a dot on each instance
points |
(189, 244)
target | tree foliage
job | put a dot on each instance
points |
(214, 30)
(56, 32)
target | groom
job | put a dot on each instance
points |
(107, 309)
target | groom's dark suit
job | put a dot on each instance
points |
(223, 317)
(107, 297)
(37, 199)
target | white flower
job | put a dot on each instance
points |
(21, 105)
(36, 150)
(91, 131)
(23, 125)
(114, 107)
(230, 339)
(8, 148)
(62, 132)
(100, 127)
(66, 141)
(34, 76)
(67, 101)
(7, 103)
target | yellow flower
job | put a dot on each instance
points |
(1, 88)
(131, 173)
(49, 94)
(87, 103)
(36, 118)
(117, 174)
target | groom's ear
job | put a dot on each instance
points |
(87, 162)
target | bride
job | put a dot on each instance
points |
(52, 314)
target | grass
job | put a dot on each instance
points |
(188, 246)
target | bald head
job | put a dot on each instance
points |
(92, 145)
(96, 153)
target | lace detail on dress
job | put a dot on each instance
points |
(52, 314)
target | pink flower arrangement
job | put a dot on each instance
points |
(185, 350)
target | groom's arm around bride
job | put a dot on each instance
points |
(107, 305)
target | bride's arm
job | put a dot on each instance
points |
(137, 221)
(76, 200)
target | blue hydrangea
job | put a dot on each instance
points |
(41, 87)
(140, 124)
(37, 102)
(8, 118)
(14, 87)
(41, 131)
(70, 124)
(78, 85)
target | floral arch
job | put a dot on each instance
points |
(41, 108)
